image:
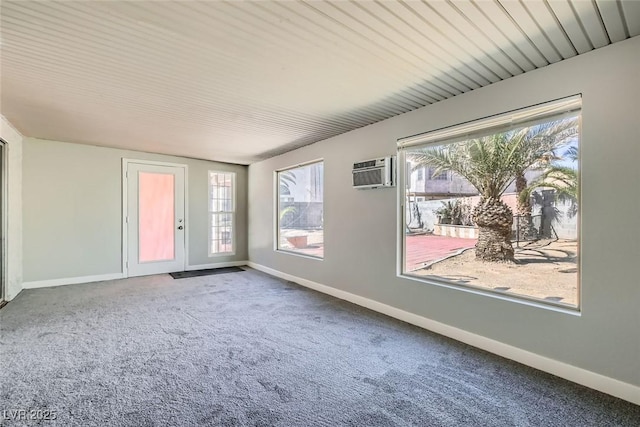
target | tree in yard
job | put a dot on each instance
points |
(537, 148)
(286, 180)
(561, 178)
(491, 163)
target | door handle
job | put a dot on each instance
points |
(180, 227)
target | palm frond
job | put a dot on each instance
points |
(562, 179)
(491, 163)
(287, 179)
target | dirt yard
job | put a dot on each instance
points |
(547, 270)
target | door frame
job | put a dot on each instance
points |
(4, 223)
(125, 208)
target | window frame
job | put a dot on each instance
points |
(277, 199)
(565, 107)
(212, 212)
(442, 176)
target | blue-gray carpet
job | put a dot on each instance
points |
(249, 349)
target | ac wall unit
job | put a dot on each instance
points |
(373, 173)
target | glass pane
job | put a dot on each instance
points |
(221, 199)
(221, 233)
(156, 216)
(221, 207)
(498, 212)
(301, 207)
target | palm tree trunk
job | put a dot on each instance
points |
(526, 231)
(494, 219)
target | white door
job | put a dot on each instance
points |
(155, 220)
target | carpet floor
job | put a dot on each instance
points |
(248, 349)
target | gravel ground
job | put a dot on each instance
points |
(545, 269)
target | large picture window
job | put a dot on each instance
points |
(221, 213)
(300, 206)
(506, 219)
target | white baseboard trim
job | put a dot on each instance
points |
(581, 376)
(216, 265)
(100, 278)
(71, 281)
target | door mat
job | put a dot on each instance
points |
(207, 272)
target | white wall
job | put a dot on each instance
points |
(72, 198)
(360, 226)
(14, 215)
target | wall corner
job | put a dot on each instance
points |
(13, 140)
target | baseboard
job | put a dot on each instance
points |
(71, 281)
(114, 276)
(216, 265)
(617, 388)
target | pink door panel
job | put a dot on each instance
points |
(156, 225)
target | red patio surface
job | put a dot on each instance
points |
(426, 248)
(421, 249)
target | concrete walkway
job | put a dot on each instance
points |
(426, 248)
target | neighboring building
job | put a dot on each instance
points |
(423, 184)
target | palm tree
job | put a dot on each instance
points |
(537, 147)
(491, 163)
(561, 178)
(286, 180)
(485, 163)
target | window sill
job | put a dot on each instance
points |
(519, 299)
(284, 251)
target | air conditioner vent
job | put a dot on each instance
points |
(367, 178)
(373, 173)
(366, 164)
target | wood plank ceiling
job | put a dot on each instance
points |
(243, 81)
